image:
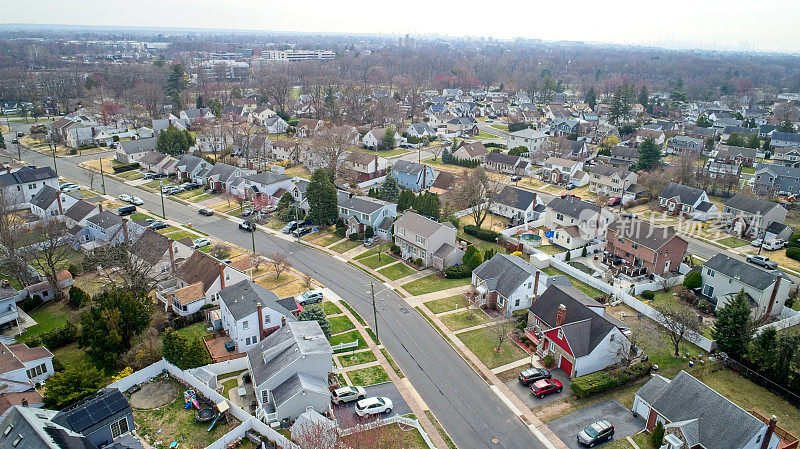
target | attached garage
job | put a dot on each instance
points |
(566, 366)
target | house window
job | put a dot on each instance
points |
(119, 427)
(247, 341)
(560, 334)
(245, 325)
(264, 396)
(709, 272)
(31, 186)
(267, 318)
(227, 276)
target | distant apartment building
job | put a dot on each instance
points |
(296, 55)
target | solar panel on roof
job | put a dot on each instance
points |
(79, 420)
(117, 402)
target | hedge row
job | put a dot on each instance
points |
(458, 272)
(56, 338)
(602, 381)
(125, 167)
(483, 234)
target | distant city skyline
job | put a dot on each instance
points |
(768, 26)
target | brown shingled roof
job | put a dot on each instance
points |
(8, 361)
(190, 293)
(26, 354)
(200, 267)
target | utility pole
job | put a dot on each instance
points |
(55, 167)
(253, 234)
(161, 189)
(102, 176)
(374, 312)
(297, 221)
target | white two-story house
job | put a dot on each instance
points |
(506, 283)
(422, 238)
(250, 313)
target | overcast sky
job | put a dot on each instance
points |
(768, 25)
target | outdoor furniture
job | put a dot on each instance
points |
(242, 391)
(230, 346)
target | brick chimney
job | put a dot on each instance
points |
(125, 232)
(172, 257)
(24, 402)
(561, 315)
(770, 430)
(222, 276)
(60, 206)
(536, 285)
(100, 207)
(260, 321)
(772, 296)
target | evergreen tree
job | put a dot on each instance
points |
(405, 200)
(447, 156)
(591, 97)
(427, 204)
(114, 318)
(703, 121)
(199, 102)
(182, 352)
(176, 83)
(2, 142)
(736, 140)
(619, 105)
(732, 331)
(315, 313)
(753, 141)
(472, 257)
(321, 195)
(761, 350)
(488, 254)
(644, 97)
(215, 106)
(388, 140)
(649, 155)
(657, 437)
(787, 127)
(78, 297)
(286, 201)
(75, 382)
(174, 142)
(390, 190)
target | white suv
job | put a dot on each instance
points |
(373, 406)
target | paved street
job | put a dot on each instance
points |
(460, 399)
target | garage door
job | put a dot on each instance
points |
(566, 366)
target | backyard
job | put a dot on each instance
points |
(580, 285)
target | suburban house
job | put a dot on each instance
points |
(572, 149)
(643, 133)
(444, 183)
(420, 129)
(772, 179)
(364, 166)
(677, 199)
(203, 276)
(506, 283)
(751, 216)
(413, 175)
(610, 180)
(108, 228)
(163, 254)
(781, 139)
(79, 212)
(561, 127)
(641, 248)
(221, 176)
(519, 205)
(787, 156)
(359, 212)
(21, 185)
(101, 418)
(528, 138)
(716, 169)
(275, 125)
(740, 155)
(289, 370)
(506, 163)
(158, 162)
(766, 290)
(22, 367)
(558, 170)
(193, 115)
(306, 127)
(685, 145)
(576, 222)
(624, 157)
(462, 126)
(422, 238)
(250, 313)
(375, 136)
(576, 331)
(192, 168)
(131, 151)
(286, 150)
(261, 188)
(471, 151)
(711, 422)
(50, 202)
(9, 296)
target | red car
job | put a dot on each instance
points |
(614, 200)
(542, 388)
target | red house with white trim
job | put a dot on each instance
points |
(576, 330)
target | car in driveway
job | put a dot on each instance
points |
(299, 232)
(570, 186)
(156, 225)
(125, 197)
(348, 394)
(757, 242)
(206, 211)
(200, 242)
(291, 226)
(247, 212)
(69, 187)
(596, 433)
(374, 406)
(544, 387)
(136, 200)
(532, 375)
(762, 261)
(774, 244)
(614, 201)
(247, 226)
(310, 297)
(516, 178)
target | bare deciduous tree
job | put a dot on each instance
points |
(499, 331)
(331, 143)
(280, 263)
(476, 191)
(13, 235)
(51, 252)
(678, 322)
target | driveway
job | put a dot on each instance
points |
(524, 393)
(625, 424)
(346, 413)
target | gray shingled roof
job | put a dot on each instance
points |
(102, 408)
(420, 225)
(25, 175)
(642, 232)
(749, 204)
(572, 207)
(294, 340)
(45, 197)
(504, 273)
(363, 204)
(745, 272)
(38, 431)
(105, 219)
(721, 423)
(502, 158)
(297, 383)
(516, 198)
(241, 298)
(138, 145)
(684, 194)
(402, 166)
(653, 388)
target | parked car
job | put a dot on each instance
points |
(299, 232)
(247, 226)
(20, 134)
(516, 178)
(348, 394)
(125, 197)
(125, 210)
(200, 242)
(69, 187)
(148, 175)
(310, 297)
(570, 186)
(247, 212)
(757, 242)
(544, 387)
(532, 375)
(774, 244)
(15, 140)
(614, 201)
(270, 208)
(373, 406)
(205, 211)
(595, 433)
(157, 224)
(368, 241)
(628, 215)
(136, 200)
(763, 261)
(569, 195)
(291, 226)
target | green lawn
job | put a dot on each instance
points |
(49, 316)
(392, 363)
(733, 242)
(580, 285)
(330, 308)
(196, 330)
(389, 153)
(641, 439)
(374, 263)
(368, 376)
(139, 216)
(478, 243)
(550, 249)
(749, 170)
(661, 298)
(463, 319)
(485, 135)
(229, 385)
(357, 358)
(340, 324)
(500, 127)
(345, 246)
(397, 271)
(483, 346)
(432, 283)
(167, 230)
(182, 234)
(325, 238)
(445, 304)
(348, 337)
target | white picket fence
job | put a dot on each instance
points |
(345, 345)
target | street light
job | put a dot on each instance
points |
(161, 188)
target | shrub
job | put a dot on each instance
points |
(793, 253)
(568, 256)
(794, 241)
(483, 234)
(458, 272)
(78, 297)
(395, 249)
(73, 151)
(74, 269)
(693, 280)
(60, 337)
(125, 167)
(418, 262)
(583, 252)
(657, 437)
(354, 236)
(549, 361)
(602, 381)
(648, 295)
(369, 232)
(705, 306)
(341, 232)
(31, 302)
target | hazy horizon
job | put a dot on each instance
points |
(683, 24)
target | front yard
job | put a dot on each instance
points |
(464, 319)
(483, 346)
(357, 358)
(733, 242)
(368, 376)
(433, 283)
(446, 304)
(345, 246)
(340, 324)
(397, 271)
(374, 262)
